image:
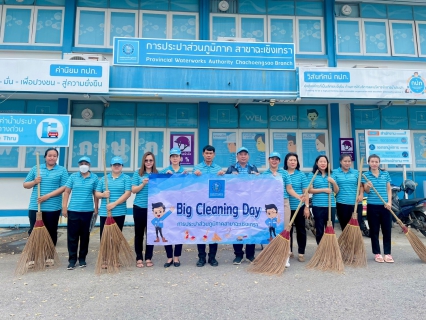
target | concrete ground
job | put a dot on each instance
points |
(392, 291)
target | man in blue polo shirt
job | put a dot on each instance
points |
(208, 167)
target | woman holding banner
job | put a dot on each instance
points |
(140, 182)
(174, 168)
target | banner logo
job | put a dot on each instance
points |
(216, 189)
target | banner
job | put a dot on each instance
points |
(190, 209)
(368, 83)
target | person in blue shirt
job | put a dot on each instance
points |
(347, 180)
(320, 193)
(160, 214)
(243, 167)
(208, 167)
(174, 168)
(273, 219)
(119, 187)
(82, 187)
(140, 184)
(51, 182)
(378, 215)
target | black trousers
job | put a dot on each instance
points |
(272, 232)
(119, 220)
(344, 213)
(238, 250)
(299, 223)
(50, 220)
(140, 217)
(321, 218)
(173, 253)
(202, 250)
(78, 231)
(378, 216)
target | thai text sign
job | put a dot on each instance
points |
(204, 54)
(34, 130)
(392, 146)
(225, 209)
(366, 83)
(54, 76)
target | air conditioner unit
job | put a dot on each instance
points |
(236, 39)
(82, 57)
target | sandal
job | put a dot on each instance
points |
(149, 264)
(388, 258)
(378, 258)
(139, 264)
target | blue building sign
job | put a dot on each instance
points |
(203, 54)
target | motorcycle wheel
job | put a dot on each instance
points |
(421, 217)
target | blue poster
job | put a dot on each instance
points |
(361, 148)
(392, 146)
(284, 142)
(283, 117)
(253, 116)
(225, 143)
(223, 116)
(214, 209)
(118, 143)
(9, 157)
(419, 141)
(85, 143)
(313, 145)
(313, 117)
(152, 141)
(255, 142)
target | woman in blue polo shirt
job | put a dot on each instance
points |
(378, 215)
(320, 192)
(347, 180)
(52, 182)
(119, 190)
(79, 211)
(140, 182)
(174, 168)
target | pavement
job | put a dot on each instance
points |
(392, 291)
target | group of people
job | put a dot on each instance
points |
(81, 191)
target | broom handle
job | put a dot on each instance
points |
(329, 195)
(38, 175)
(384, 202)
(106, 183)
(300, 203)
(359, 183)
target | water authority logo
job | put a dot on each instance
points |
(128, 49)
(216, 188)
(50, 130)
(416, 84)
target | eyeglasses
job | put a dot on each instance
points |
(149, 160)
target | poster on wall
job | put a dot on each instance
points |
(313, 117)
(255, 142)
(185, 142)
(9, 157)
(225, 143)
(85, 143)
(361, 148)
(347, 147)
(313, 145)
(284, 142)
(119, 143)
(151, 141)
(419, 142)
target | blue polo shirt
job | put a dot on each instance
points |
(117, 188)
(242, 170)
(51, 179)
(82, 189)
(286, 179)
(181, 170)
(141, 199)
(347, 182)
(321, 199)
(380, 183)
(204, 168)
(298, 182)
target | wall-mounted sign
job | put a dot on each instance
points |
(347, 147)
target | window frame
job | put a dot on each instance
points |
(109, 19)
(270, 17)
(386, 22)
(298, 18)
(391, 22)
(93, 166)
(3, 22)
(265, 26)
(419, 51)
(126, 168)
(139, 151)
(34, 26)
(77, 27)
(361, 36)
(233, 15)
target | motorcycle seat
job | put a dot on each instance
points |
(409, 202)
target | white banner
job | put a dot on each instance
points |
(362, 83)
(54, 76)
(392, 146)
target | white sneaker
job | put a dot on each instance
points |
(287, 264)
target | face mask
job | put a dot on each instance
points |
(84, 168)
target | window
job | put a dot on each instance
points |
(310, 35)
(403, 38)
(348, 36)
(32, 25)
(169, 25)
(421, 38)
(281, 29)
(376, 37)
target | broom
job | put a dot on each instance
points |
(350, 241)
(39, 247)
(114, 250)
(327, 257)
(415, 242)
(271, 261)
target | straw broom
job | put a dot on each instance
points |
(114, 250)
(350, 241)
(327, 257)
(271, 261)
(39, 247)
(415, 242)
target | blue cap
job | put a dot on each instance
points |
(242, 149)
(274, 154)
(87, 159)
(175, 151)
(116, 160)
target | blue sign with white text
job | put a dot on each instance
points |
(203, 54)
(34, 130)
